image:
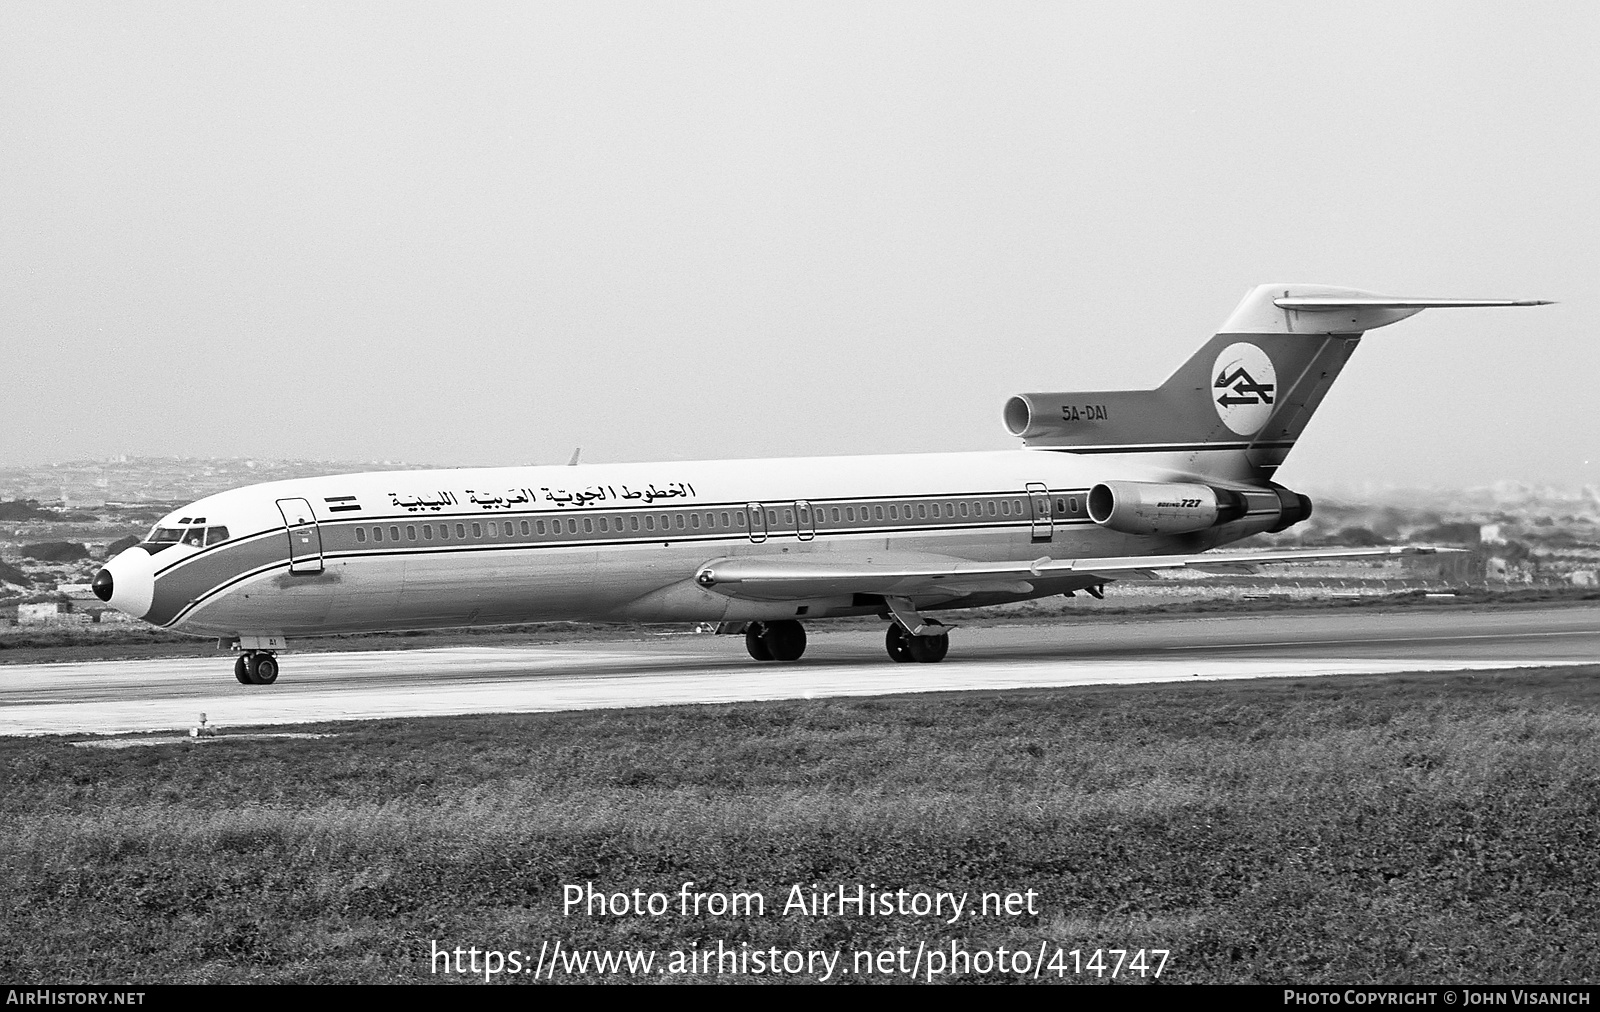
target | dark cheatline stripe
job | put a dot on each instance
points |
(1169, 447)
(342, 509)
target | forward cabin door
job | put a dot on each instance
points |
(1043, 521)
(758, 522)
(305, 538)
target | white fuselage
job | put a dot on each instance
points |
(441, 548)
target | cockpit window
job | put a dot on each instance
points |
(196, 537)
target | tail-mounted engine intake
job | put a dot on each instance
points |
(1143, 507)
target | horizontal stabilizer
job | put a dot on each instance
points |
(1325, 309)
(1329, 302)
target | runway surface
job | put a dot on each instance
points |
(104, 697)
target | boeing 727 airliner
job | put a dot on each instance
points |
(1109, 485)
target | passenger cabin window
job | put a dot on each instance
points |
(427, 532)
(361, 534)
(411, 533)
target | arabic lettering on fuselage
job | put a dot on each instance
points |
(434, 501)
(513, 498)
(610, 493)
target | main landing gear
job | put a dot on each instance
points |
(256, 667)
(925, 649)
(912, 637)
(783, 640)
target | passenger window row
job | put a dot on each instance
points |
(777, 520)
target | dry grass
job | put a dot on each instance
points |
(1359, 829)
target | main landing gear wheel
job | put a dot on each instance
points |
(897, 642)
(904, 647)
(255, 668)
(929, 649)
(754, 643)
(784, 640)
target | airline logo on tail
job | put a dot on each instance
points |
(1245, 387)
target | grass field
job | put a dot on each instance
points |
(1398, 829)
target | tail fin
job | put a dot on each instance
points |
(1240, 403)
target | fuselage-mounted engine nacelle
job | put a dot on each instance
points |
(1145, 507)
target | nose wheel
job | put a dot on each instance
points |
(256, 667)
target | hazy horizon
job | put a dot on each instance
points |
(488, 234)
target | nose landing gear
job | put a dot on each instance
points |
(256, 667)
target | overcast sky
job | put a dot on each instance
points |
(486, 234)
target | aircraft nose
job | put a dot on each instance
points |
(128, 582)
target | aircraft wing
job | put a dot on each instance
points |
(782, 577)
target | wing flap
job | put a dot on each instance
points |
(778, 578)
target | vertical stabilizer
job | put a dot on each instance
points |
(1237, 407)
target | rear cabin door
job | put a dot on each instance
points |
(305, 539)
(758, 522)
(804, 526)
(1039, 500)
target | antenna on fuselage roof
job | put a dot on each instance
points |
(574, 461)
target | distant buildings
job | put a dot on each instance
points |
(50, 613)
